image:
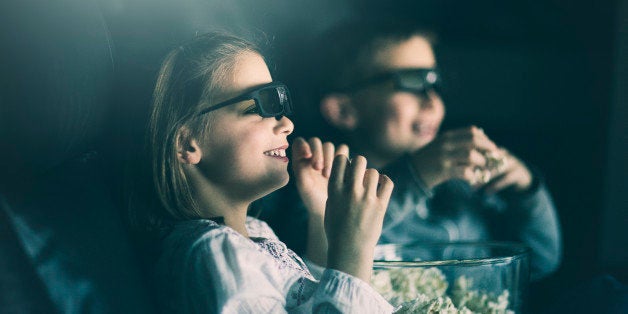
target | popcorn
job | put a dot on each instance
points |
(422, 290)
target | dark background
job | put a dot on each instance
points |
(547, 79)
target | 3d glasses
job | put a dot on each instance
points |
(271, 100)
(417, 80)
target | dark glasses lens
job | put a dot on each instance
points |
(274, 101)
(420, 80)
(417, 80)
(271, 100)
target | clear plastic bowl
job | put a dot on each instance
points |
(483, 277)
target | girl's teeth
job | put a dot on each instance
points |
(277, 153)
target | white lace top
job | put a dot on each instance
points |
(206, 267)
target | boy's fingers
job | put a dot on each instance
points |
(465, 156)
(464, 172)
(471, 137)
(498, 184)
(317, 153)
(466, 132)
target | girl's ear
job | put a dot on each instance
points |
(188, 150)
(338, 110)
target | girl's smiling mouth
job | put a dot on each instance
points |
(279, 153)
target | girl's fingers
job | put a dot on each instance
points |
(300, 149)
(338, 171)
(343, 149)
(384, 188)
(317, 153)
(330, 152)
(328, 158)
(371, 179)
(355, 178)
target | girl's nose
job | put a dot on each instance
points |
(284, 126)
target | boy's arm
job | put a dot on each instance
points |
(530, 217)
(409, 195)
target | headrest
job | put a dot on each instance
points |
(57, 70)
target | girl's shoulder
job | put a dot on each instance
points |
(192, 233)
(259, 229)
(185, 235)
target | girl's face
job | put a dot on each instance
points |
(245, 154)
(399, 122)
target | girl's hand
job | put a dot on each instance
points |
(311, 164)
(358, 198)
(456, 154)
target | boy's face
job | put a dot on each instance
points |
(244, 153)
(397, 122)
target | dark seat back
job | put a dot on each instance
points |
(64, 231)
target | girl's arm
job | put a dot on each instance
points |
(354, 215)
(311, 164)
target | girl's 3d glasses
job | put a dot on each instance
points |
(414, 80)
(271, 100)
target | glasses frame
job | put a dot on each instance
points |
(397, 77)
(282, 90)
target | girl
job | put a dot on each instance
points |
(218, 134)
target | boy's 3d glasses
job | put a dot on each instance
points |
(271, 100)
(414, 80)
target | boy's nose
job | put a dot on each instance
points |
(429, 100)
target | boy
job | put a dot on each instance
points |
(377, 88)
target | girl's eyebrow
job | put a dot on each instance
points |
(244, 104)
(247, 102)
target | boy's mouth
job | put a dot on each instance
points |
(424, 129)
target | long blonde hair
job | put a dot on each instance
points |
(187, 80)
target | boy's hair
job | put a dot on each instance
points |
(342, 56)
(346, 53)
(188, 79)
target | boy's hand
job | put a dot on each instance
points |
(515, 174)
(358, 198)
(311, 164)
(469, 154)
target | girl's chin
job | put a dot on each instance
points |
(280, 182)
(286, 180)
(270, 187)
